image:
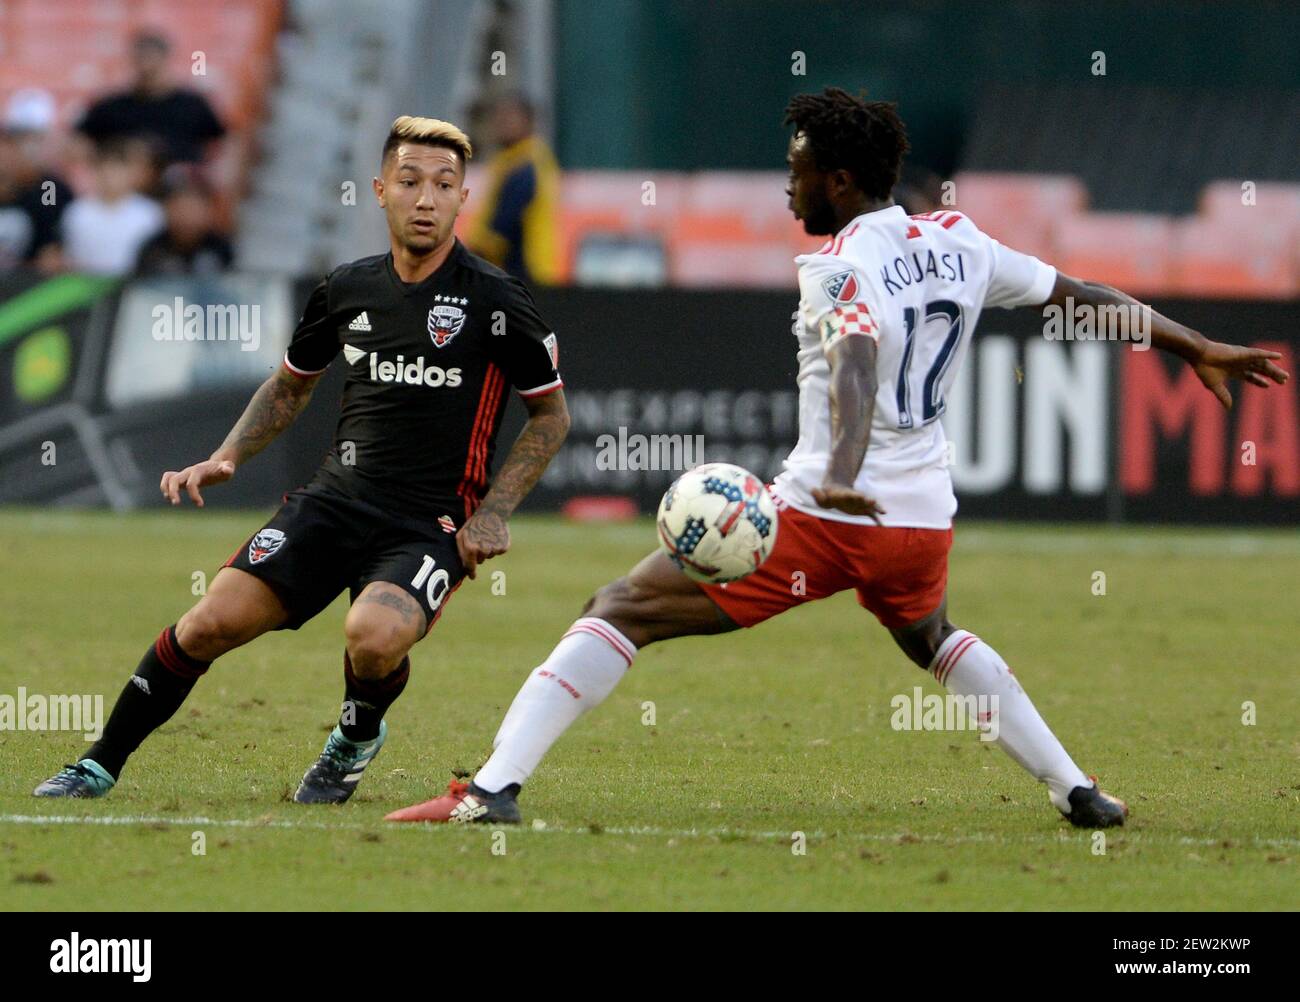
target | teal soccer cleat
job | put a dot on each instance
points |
(334, 776)
(84, 780)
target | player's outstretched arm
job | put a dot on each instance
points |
(1214, 362)
(853, 402)
(273, 408)
(487, 533)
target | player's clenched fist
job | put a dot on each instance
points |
(190, 479)
(483, 537)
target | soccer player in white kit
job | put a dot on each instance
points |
(887, 310)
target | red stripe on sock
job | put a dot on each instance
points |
(941, 661)
(614, 640)
(163, 647)
(945, 658)
(588, 628)
(955, 656)
(168, 653)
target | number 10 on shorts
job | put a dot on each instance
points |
(435, 583)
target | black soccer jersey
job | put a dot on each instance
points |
(428, 366)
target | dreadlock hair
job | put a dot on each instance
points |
(865, 138)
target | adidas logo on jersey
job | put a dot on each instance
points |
(401, 371)
(361, 323)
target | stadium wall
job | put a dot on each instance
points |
(735, 63)
(1040, 429)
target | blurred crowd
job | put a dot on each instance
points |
(142, 202)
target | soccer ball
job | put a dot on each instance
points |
(717, 523)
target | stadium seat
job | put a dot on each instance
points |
(1020, 210)
(615, 202)
(710, 261)
(1133, 251)
(79, 51)
(1273, 199)
(1235, 253)
(738, 204)
(735, 229)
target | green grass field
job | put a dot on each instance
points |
(757, 735)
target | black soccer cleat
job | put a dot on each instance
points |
(334, 776)
(465, 803)
(1093, 807)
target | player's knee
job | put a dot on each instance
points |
(373, 650)
(206, 632)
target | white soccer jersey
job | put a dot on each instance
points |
(916, 285)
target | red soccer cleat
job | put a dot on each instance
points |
(464, 803)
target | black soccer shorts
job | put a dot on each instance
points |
(321, 542)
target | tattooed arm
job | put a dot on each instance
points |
(486, 534)
(273, 408)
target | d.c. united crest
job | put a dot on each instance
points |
(264, 544)
(445, 323)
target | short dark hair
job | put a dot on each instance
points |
(865, 138)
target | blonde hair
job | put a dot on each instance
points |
(429, 132)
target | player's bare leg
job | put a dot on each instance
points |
(655, 601)
(236, 609)
(969, 667)
(382, 626)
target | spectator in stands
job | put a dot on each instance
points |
(103, 232)
(516, 227)
(32, 197)
(190, 244)
(178, 118)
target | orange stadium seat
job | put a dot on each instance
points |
(735, 229)
(1020, 210)
(615, 202)
(1273, 199)
(79, 51)
(1130, 250)
(712, 262)
(738, 204)
(1228, 255)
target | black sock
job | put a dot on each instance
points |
(156, 690)
(365, 701)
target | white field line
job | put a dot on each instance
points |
(1063, 837)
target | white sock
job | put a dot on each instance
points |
(970, 667)
(582, 670)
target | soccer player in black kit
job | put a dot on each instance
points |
(400, 511)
